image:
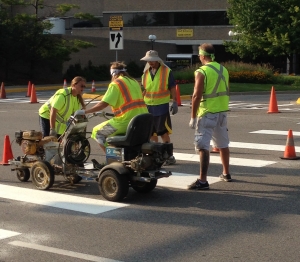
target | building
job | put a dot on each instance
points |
(178, 26)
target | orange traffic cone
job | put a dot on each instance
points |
(7, 152)
(65, 84)
(28, 89)
(33, 98)
(273, 108)
(3, 93)
(93, 87)
(215, 150)
(178, 95)
(289, 152)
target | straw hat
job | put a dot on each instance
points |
(152, 56)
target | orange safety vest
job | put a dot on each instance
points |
(129, 102)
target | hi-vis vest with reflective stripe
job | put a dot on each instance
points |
(215, 96)
(157, 91)
(132, 99)
(71, 104)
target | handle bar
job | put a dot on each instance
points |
(101, 113)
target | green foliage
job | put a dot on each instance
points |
(264, 27)
(90, 72)
(134, 70)
(23, 38)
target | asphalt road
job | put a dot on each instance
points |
(253, 218)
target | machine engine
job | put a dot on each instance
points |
(153, 156)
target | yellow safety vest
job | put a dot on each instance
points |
(71, 104)
(157, 91)
(215, 96)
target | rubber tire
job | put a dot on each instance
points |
(113, 186)
(23, 174)
(144, 187)
(42, 175)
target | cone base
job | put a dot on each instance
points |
(290, 158)
(269, 112)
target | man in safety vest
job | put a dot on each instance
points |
(125, 97)
(55, 113)
(158, 83)
(210, 101)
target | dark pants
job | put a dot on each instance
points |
(45, 126)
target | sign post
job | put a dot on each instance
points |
(116, 33)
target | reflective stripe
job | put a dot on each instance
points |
(60, 117)
(129, 103)
(158, 94)
(220, 77)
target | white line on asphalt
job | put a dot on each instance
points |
(181, 180)
(274, 132)
(256, 146)
(233, 160)
(62, 252)
(6, 233)
(69, 202)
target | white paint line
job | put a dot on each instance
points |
(233, 161)
(256, 146)
(62, 252)
(274, 132)
(6, 233)
(69, 202)
(181, 180)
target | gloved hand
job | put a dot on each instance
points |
(174, 108)
(193, 123)
(79, 112)
(52, 132)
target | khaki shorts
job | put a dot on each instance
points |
(211, 127)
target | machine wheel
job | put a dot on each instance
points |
(42, 175)
(144, 187)
(113, 186)
(23, 174)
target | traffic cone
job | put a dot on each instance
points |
(289, 152)
(7, 152)
(178, 96)
(215, 150)
(93, 87)
(3, 93)
(29, 89)
(33, 98)
(273, 108)
(65, 84)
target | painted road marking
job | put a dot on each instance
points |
(181, 180)
(62, 252)
(51, 199)
(233, 160)
(6, 233)
(274, 132)
(268, 147)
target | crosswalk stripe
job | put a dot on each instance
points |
(182, 180)
(274, 132)
(233, 160)
(6, 233)
(69, 202)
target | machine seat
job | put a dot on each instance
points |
(138, 132)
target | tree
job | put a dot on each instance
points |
(23, 36)
(265, 27)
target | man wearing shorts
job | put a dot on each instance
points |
(158, 83)
(210, 102)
